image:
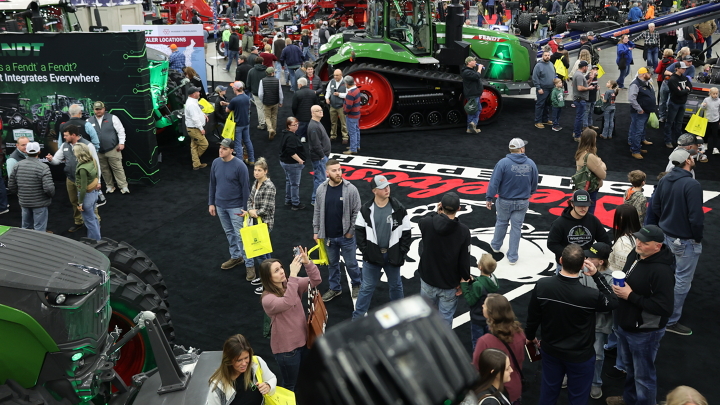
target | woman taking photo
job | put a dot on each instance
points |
(495, 370)
(292, 160)
(86, 181)
(261, 204)
(195, 80)
(505, 335)
(586, 154)
(235, 381)
(282, 302)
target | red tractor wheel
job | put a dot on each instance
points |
(376, 97)
(490, 105)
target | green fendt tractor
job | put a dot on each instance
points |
(87, 323)
(407, 66)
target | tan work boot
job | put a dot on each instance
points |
(637, 156)
(232, 263)
(250, 274)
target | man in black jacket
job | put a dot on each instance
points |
(319, 146)
(445, 258)
(646, 302)
(680, 87)
(243, 68)
(565, 311)
(678, 203)
(233, 48)
(576, 225)
(472, 90)
(382, 232)
(303, 100)
(252, 86)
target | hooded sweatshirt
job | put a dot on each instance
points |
(515, 177)
(255, 74)
(651, 301)
(584, 231)
(677, 201)
(445, 259)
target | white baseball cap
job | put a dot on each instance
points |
(517, 143)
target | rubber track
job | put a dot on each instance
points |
(409, 72)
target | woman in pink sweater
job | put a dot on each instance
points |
(282, 302)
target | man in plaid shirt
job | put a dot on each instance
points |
(177, 59)
(652, 45)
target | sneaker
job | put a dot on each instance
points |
(232, 263)
(259, 290)
(110, 190)
(76, 228)
(557, 129)
(512, 263)
(614, 374)
(125, 190)
(223, 69)
(298, 207)
(101, 200)
(702, 158)
(256, 281)
(679, 329)
(330, 294)
(595, 392)
(472, 128)
(495, 250)
(716, 151)
(615, 401)
(539, 125)
(564, 383)
(355, 291)
(669, 145)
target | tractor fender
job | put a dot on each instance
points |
(387, 51)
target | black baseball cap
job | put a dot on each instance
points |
(581, 198)
(450, 201)
(599, 250)
(650, 233)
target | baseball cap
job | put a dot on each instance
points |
(557, 36)
(583, 37)
(688, 58)
(220, 88)
(450, 201)
(238, 85)
(679, 156)
(173, 46)
(599, 250)
(590, 34)
(583, 63)
(32, 148)
(643, 70)
(594, 67)
(650, 233)
(682, 65)
(98, 104)
(254, 48)
(227, 26)
(687, 140)
(379, 182)
(193, 89)
(228, 143)
(270, 71)
(469, 59)
(581, 198)
(517, 143)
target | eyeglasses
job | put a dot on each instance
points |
(294, 125)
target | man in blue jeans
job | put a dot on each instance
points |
(228, 193)
(514, 180)
(646, 302)
(680, 87)
(581, 92)
(337, 203)
(445, 258)
(472, 90)
(383, 236)
(565, 311)
(240, 106)
(542, 76)
(641, 97)
(319, 145)
(678, 203)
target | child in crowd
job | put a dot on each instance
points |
(712, 113)
(592, 80)
(557, 98)
(634, 195)
(475, 291)
(598, 255)
(609, 109)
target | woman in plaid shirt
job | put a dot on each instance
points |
(261, 204)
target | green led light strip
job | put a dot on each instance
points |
(131, 116)
(126, 56)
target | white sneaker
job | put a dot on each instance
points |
(716, 151)
(124, 190)
(110, 190)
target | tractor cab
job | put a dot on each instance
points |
(38, 16)
(407, 22)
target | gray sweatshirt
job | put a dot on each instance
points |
(712, 109)
(543, 75)
(351, 207)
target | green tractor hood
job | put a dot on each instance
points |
(386, 50)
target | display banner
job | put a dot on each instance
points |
(41, 75)
(189, 38)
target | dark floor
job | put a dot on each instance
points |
(169, 221)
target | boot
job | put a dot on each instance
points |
(250, 274)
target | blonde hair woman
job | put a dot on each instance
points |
(86, 181)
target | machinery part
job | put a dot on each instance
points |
(129, 260)
(622, 16)
(490, 104)
(434, 118)
(129, 295)
(561, 21)
(396, 120)
(453, 116)
(415, 119)
(12, 393)
(376, 98)
(220, 46)
(524, 22)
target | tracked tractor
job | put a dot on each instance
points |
(407, 66)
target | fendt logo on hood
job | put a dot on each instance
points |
(21, 49)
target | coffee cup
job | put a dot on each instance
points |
(618, 278)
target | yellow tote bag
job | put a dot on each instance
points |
(322, 253)
(601, 71)
(697, 125)
(255, 238)
(282, 396)
(560, 69)
(206, 107)
(229, 129)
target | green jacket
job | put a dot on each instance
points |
(85, 173)
(557, 97)
(474, 291)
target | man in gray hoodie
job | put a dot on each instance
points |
(542, 77)
(32, 182)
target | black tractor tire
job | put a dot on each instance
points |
(525, 24)
(12, 393)
(561, 21)
(129, 295)
(129, 260)
(220, 47)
